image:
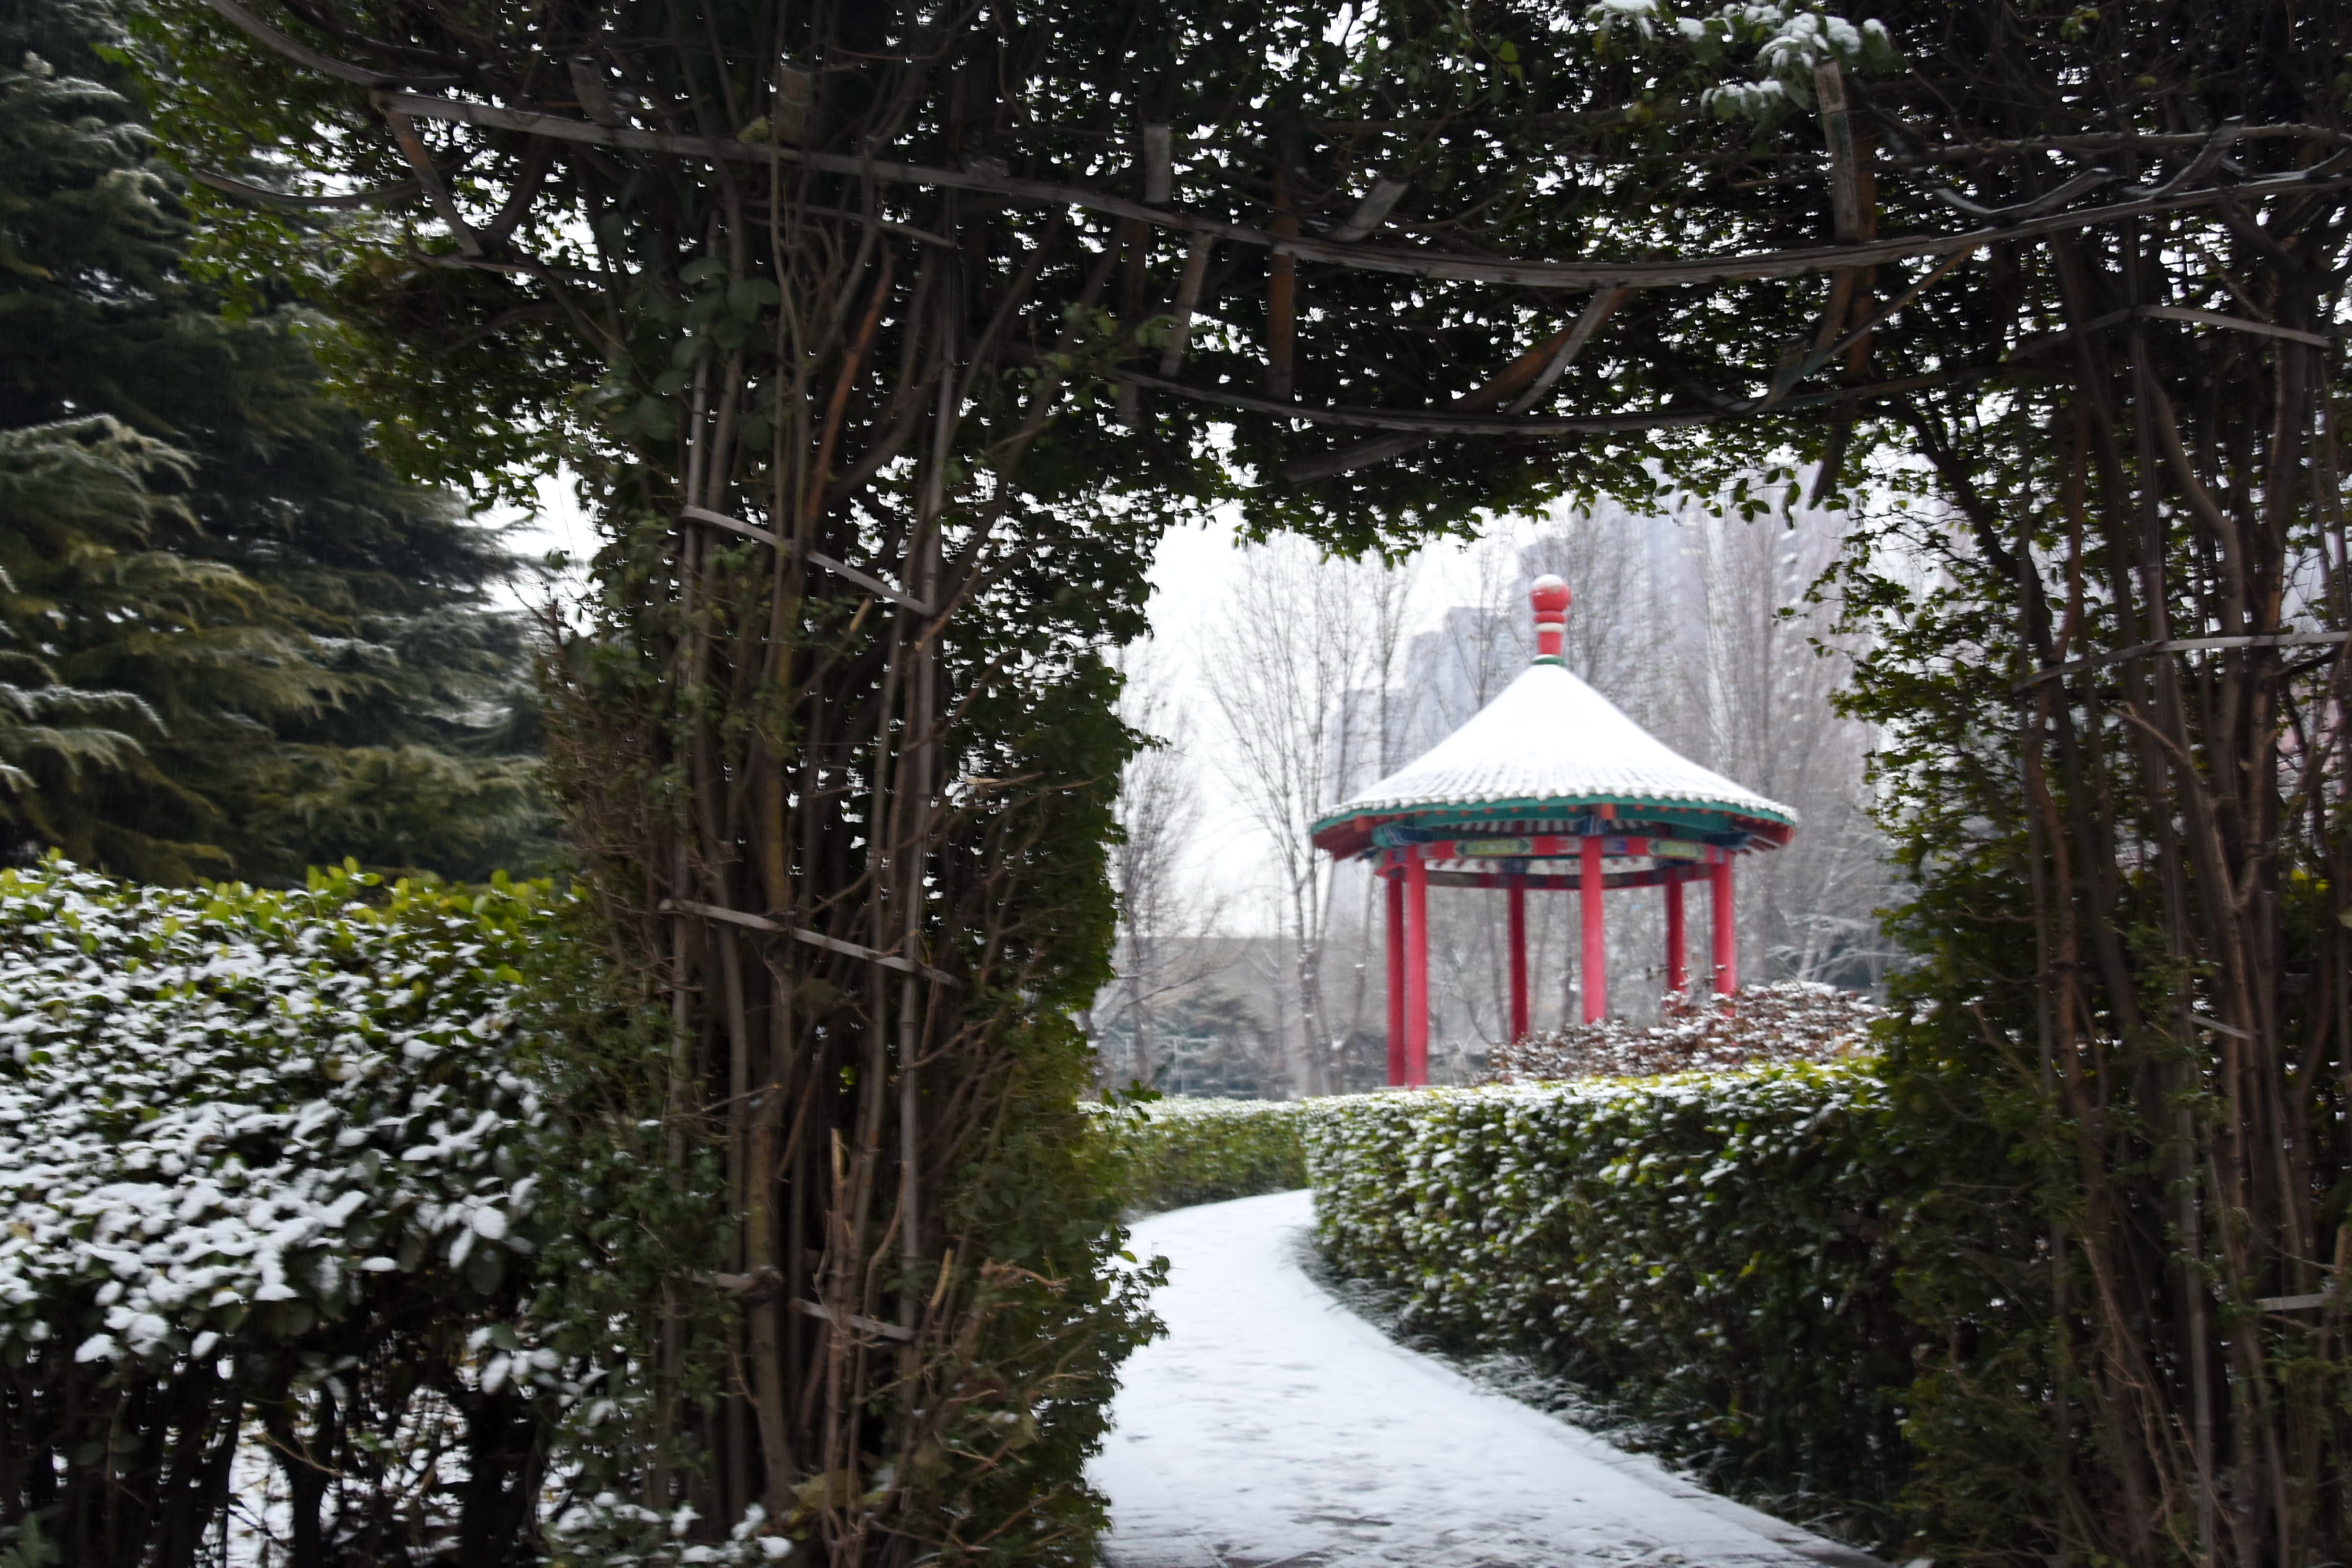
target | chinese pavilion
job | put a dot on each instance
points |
(1551, 787)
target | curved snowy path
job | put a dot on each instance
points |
(1273, 1426)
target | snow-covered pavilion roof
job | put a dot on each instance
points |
(1548, 749)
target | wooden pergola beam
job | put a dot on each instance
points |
(1578, 276)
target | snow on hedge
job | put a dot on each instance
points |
(1714, 1251)
(222, 1111)
(234, 1122)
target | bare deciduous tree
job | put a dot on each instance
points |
(1757, 704)
(1164, 925)
(1300, 671)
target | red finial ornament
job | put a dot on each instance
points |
(1550, 596)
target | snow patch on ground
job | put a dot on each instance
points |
(1274, 1428)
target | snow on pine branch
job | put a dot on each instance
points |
(224, 1112)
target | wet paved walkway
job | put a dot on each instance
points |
(1273, 1428)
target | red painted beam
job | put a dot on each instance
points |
(1611, 882)
(1544, 847)
(1677, 969)
(1416, 972)
(1727, 933)
(1519, 958)
(1592, 975)
(1392, 899)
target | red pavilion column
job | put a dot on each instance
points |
(1726, 931)
(1416, 969)
(1519, 956)
(1393, 896)
(1677, 969)
(1593, 975)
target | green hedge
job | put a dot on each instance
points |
(261, 1154)
(286, 1183)
(228, 1115)
(1178, 1152)
(1714, 1254)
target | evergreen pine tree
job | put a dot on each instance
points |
(234, 643)
(66, 491)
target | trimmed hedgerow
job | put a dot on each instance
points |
(1178, 1152)
(225, 1113)
(1714, 1254)
(263, 1152)
(287, 1186)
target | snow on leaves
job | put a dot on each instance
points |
(608, 1530)
(222, 1111)
(1777, 40)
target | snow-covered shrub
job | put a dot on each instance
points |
(1791, 1021)
(221, 1112)
(270, 1174)
(1712, 1252)
(1172, 1152)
